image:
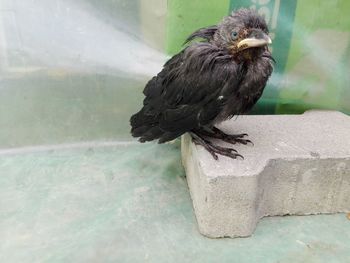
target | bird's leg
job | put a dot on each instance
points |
(214, 149)
(230, 138)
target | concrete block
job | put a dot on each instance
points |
(299, 165)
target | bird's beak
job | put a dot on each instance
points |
(257, 38)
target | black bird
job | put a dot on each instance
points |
(208, 82)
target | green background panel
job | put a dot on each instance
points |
(184, 17)
(317, 70)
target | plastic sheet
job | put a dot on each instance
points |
(73, 70)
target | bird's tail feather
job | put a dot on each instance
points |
(145, 126)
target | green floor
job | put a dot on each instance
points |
(130, 203)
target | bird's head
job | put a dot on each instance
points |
(244, 33)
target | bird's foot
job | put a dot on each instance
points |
(230, 138)
(215, 149)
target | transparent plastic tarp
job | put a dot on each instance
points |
(73, 70)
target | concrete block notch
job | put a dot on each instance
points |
(299, 165)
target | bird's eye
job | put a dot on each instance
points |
(234, 34)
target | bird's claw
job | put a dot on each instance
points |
(214, 150)
(241, 135)
(238, 140)
(232, 138)
(229, 152)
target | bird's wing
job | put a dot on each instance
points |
(190, 91)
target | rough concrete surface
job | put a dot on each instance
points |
(299, 165)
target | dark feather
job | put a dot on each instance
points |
(205, 33)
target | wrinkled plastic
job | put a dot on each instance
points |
(73, 70)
